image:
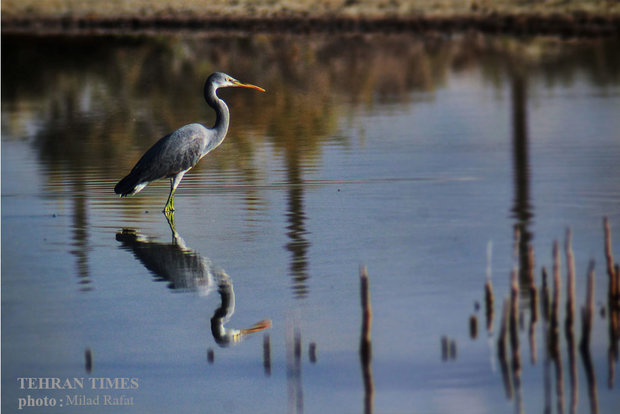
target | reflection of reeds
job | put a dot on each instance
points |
(614, 328)
(501, 349)
(293, 368)
(613, 304)
(267, 354)
(448, 349)
(546, 313)
(533, 303)
(568, 324)
(365, 342)
(514, 338)
(445, 348)
(550, 310)
(587, 314)
(544, 304)
(312, 352)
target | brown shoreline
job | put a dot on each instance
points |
(578, 24)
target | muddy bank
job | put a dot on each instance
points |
(577, 24)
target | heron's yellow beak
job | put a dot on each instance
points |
(247, 85)
(257, 327)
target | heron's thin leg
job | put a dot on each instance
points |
(174, 183)
(170, 203)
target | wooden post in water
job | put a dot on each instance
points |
(570, 286)
(557, 281)
(554, 334)
(514, 310)
(501, 349)
(473, 327)
(611, 272)
(587, 314)
(532, 282)
(488, 290)
(569, 321)
(533, 303)
(88, 360)
(544, 301)
(517, 241)
(514, 336)
(614, 333)
(365, 342)
(488, 301)
(514, 317)
(613, 303)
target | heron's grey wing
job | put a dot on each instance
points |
(184, 269)
(176, 152)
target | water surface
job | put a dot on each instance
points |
(409, 155)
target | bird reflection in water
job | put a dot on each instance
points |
(226, 336)
(186, 270)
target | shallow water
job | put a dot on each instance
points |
(408, 155)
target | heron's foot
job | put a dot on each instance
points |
(170, 203)
(168, 212)
(170, 218)
(169, 207)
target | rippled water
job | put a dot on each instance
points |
(408, 155)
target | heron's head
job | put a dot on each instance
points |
(222, 80)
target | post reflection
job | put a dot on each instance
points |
(522, 207)
(184, 269)
(80, 245)
(294, 371)
(298, 244)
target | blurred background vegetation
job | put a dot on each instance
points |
(149, 85)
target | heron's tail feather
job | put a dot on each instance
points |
(129, 185)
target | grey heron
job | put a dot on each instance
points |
(178, 152)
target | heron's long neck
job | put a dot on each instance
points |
(222, 116)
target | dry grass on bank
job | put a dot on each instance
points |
(265, 8)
